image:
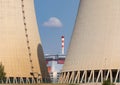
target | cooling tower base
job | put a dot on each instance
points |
(20, 80)
(90, 76)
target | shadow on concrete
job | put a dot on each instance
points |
(43, 67)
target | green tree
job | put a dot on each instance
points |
(107, 82)
(2, 73)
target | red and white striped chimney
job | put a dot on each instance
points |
(62, 38)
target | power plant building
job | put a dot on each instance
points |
(54, 64)
(94, 52)
(20, 46)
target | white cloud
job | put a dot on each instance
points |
(53, 22)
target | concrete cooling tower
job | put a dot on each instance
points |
(94, 52)
(20, 46)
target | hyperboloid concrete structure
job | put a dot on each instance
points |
(94, 52)
(20, 46)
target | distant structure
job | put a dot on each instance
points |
(20, 46)
(94, 52)
(54, 65)
(62, 40)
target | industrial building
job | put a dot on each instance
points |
(20, 46)
(94, 52)
(54, 64)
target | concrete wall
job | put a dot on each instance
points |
(19, 38)
(95, 43)
(96, 37)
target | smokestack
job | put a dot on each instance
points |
(62, 39)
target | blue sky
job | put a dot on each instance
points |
(55, 18)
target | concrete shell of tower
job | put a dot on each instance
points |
(95, 44)
(20, 45)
